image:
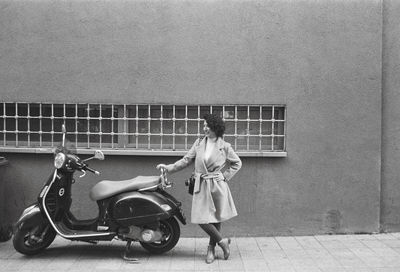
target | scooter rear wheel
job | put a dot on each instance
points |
(33, 240)
(172, 233)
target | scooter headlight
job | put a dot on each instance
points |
(59, 160)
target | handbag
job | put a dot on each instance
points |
(190, 183)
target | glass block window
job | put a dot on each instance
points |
(251, 129)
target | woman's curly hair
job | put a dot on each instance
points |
(215, 123)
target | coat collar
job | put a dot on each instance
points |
(220, 142)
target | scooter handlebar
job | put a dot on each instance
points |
(91, 170)
(164, 180)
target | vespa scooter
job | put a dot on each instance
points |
(137, 209)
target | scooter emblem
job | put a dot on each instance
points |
(61, 192)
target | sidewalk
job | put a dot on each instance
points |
(333, 253)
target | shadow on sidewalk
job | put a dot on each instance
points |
(76, 250)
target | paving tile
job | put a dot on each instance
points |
(247, 244)
(349, 262)
(255, 265)
(308, 242)
(273, 253)
(155, 263)
(374, 243)
(333, 244)
(352, 243)
(10, 265)
(375, 262)
(227, 265)
(282, 269)
(288, 243)
(341, 237)
(384, 236)
(326, 237)
(396, 235)
(397, 249)
(111, 264)
(386, 252)
(200, 264)
(328, 262)
(267, 243)
(296, 253)
(61, 263)
(275, 262)
(363, 252)
(333, 269)
(359, 269)
(341, 252)
(307, 269)
(345, 237)
(395, 243)
(7, 252)
(303, 262)
(365, 237)
(182, 265)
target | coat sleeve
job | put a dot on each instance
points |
(234, 162)
(185, 161)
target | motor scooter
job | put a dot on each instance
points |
(137, 209)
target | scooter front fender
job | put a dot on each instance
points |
(31, 216)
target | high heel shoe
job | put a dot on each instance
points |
(224, 244)
(210, 254)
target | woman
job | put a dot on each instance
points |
(212, 201)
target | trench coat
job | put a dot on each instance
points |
(212, 201)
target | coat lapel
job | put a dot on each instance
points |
(200, 163)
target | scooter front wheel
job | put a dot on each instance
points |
(171, 234)
(31, 241)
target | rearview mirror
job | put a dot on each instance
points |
(63, 134)
(98, 154)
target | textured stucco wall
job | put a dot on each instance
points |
(320, 58)
(390, 210)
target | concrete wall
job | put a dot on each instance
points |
(320, 58)
(390, 210)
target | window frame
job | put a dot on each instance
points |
(123, 119)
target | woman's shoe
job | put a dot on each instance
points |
(210, 254)
(224, 244)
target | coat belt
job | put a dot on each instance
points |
(199, 177)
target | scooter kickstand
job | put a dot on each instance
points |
(126, 253)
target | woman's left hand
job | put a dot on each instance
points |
(219, 177)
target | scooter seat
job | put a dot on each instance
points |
(107, 188)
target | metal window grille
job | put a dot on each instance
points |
(253, 130)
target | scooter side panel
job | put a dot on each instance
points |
(31, 216)
(178, 212)
(139, 208)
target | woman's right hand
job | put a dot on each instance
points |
(162, 166)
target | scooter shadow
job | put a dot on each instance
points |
(77, 250)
